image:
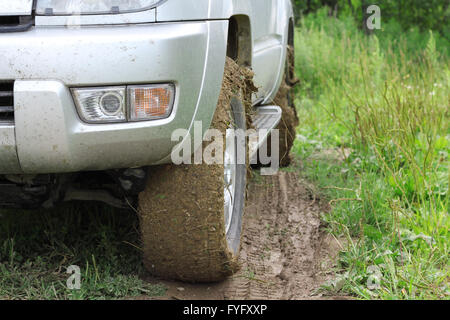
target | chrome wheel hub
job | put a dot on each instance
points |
(230, 160)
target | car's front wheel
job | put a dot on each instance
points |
(191, 215)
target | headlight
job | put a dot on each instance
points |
(75, 7)
(126, 103)
(101, 104)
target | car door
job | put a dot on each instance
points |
(267, 45)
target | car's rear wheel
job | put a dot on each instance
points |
(289, 120)
(191, 215)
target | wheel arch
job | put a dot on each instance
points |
(291, 32)
(239, 43)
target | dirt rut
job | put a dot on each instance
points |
(285, 253)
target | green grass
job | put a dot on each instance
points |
(37, 247)
(382, 101)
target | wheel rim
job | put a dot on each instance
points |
(229, 188)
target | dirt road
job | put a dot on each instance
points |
(285, 253)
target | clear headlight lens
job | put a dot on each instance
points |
(101, 104)
(75, 7)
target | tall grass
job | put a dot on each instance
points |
(384, 101)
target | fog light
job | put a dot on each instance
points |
(150, 102)
(100, 104)
(111, 103)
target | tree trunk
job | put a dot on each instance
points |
(364, 5)
(350, 4)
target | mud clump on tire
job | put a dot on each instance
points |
(181, 228)
(289, 120)
(182, 209)
(288, 124)
(236, 78)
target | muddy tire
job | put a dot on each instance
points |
(286, 100)
(186, 233)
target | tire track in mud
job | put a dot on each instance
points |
(283, 248)
(279, 251)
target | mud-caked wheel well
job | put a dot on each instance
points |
(239, 46)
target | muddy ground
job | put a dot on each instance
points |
(285, 253)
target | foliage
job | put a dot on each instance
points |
(382, 103)
(426, 15)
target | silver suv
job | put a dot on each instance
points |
(92, 91)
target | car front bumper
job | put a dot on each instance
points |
(47, 135)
